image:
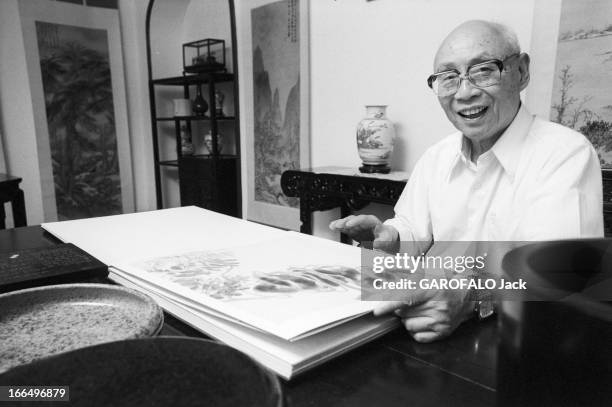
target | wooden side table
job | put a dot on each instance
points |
(320, 189)
(10, 192)
(326, 188)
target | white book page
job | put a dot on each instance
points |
(151, 287)
(287, 287)
(116, 238)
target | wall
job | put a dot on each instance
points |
(543, 51)
(2, 158)
(381, 52)
(132, 16)
(17, 112)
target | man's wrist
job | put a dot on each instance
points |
(484, 309)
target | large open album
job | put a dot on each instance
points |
(290, 301)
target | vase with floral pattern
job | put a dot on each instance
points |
(375, 138)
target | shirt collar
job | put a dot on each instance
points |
(461, 151)
(507, 149)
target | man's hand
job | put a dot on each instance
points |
(359, 228)
(368, 228)
(430, 315)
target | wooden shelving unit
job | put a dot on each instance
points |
(211, 181)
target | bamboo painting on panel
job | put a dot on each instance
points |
(81, 152)
(76, 77)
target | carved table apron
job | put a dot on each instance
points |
(323, 189)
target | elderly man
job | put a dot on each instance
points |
(505, 175)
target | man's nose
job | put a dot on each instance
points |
(466, 89)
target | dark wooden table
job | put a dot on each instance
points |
(321, 189)
(391, 371)
(10, 192)
(324, 188)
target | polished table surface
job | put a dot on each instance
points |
(391, 371)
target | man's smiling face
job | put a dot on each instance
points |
(481, 114)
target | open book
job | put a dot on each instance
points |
(288, 300)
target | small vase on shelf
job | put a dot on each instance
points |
(186, 144)
(375, 138)
(219, 97)
(208, 143)
(200, 107)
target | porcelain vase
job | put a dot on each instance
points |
(208, 143)
(375, 138)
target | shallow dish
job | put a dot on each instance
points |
(162, 371)
(44, 321)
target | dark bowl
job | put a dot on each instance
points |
(162, 371)
(554, 347)
(561, 268)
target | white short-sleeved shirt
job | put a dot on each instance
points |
(540, 181)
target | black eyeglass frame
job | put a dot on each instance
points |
(499, 63)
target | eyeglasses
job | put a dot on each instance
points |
(481, 75)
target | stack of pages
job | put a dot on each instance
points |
(290, 301)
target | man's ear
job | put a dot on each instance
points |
(523, 67)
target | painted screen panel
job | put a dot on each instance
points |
(76, 77)
(276, 97)
(582, 92)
